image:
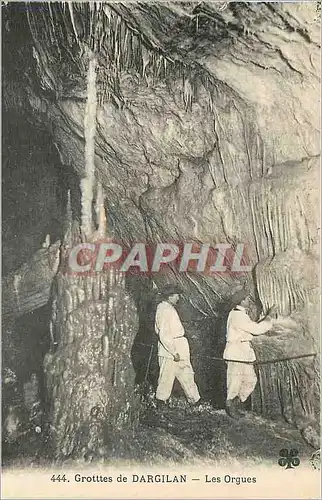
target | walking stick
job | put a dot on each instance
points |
(148, 364)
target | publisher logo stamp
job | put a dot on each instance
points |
(289, 458)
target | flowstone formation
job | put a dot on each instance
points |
(89, 371)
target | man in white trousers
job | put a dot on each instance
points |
(241, 377)
(173, 351)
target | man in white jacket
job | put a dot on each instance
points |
(173, 350)
(241, 377)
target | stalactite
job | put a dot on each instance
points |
(291, 294)
(53, 29)
(145, 60)
(127, 48)
(68, 221)
(275, 223)
(71, 13)
(253, 222)
(277, 284)
(187, 93)
(199, 288)
(16, 284)
(265, 241)
(100, 214)
(89, 133)
(106, 33)
(262, 227)
(278, 218)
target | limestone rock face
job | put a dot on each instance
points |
(207, 130)
(208, 134)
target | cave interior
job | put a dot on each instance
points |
(203, 131)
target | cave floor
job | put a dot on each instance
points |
(208, 435)
(195, 436)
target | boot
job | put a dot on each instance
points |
(241, 407)
(198, 403)
(232, 408)
(161, 405)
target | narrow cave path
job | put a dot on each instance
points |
(209, 435)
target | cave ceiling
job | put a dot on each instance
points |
(204, 115)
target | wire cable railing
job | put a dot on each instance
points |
(224, 360)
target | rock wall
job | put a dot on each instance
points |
(207, 129)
